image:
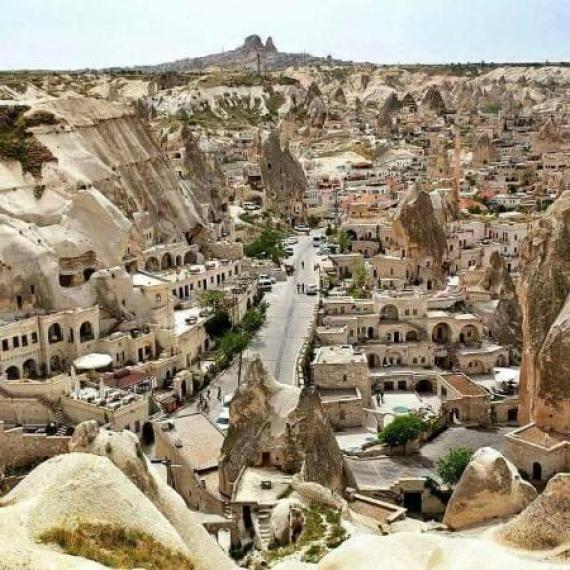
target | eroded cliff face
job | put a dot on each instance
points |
(205, 175)
(417, 228)
(99, 182)
(287, 423)
(282, 174)
(505, 324)
(544, 289)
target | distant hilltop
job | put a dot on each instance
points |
(253, 54)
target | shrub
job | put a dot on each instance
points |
(116, 547)
(268, 242)
(402, 430)
(218, 324)
(451, 466)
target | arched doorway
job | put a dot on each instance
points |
(183, 390)
(373, 360)
(537, 471)
(190, 258)
(476, 367)
(55, 363)
(424, 386)
(85, 332)
(441, 333)
(147, 433)
(30, 369)
(389, 313)
(178, 260)
(54, 333)
(370, 332)
(412, 336)
(13, 373)
(87, 272)
(469, 335)
(151, 264)
(501, 361)
(166, 261)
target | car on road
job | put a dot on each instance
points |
(292, 240)
(311, 290)
(250, 206)
(227, 400)
(223, 420)
(303, 228)
(319, 240)
(264, 283)
(289, 250)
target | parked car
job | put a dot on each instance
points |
(311, 289)
(292, 240)
(223, 420)
(264, 283)
(303, 228)
(289, 250)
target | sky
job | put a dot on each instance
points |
(72, 34)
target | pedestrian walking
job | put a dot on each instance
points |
(298, 287)
(303, 264)
(219, 392)
(208, 394)
(303, 287)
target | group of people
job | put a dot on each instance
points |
(300, 287)
(204, 399)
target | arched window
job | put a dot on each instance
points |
(54, 333)
(85, 332)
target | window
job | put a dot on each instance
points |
(15, 342)
(407, 312)
(5, 344)
(34, 338)
(24, 340)
(342, 415)
(344, 378)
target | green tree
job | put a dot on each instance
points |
(451, 466)
(218, 324)
(402, 430)
(212, 299)
(267, 243)
(344, 241)
(231, 344)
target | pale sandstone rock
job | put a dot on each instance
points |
(545, 523)
(543, 290)
(490, 487)
(123, 449)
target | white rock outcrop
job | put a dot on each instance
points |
(545, 523)
(490, 487)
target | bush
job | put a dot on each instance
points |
(218, 324)
(253, 320)
(402, 430)
(313, 221)
(268, 243)
(116, 547)
(451, 466)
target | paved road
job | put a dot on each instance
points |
(283, 333)
(279, 341)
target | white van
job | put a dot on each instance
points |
(319, 240)
(264, 283)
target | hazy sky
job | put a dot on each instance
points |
(100, 33)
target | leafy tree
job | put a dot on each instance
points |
(231, 344)
(212, 299)
(344, 241)
(253, 320)
(313, 221)
(451, 466)
(218, 324)
(402, 430)
(268, 243)
(360, 277)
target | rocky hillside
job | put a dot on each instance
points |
(81, 178)
(251, 54)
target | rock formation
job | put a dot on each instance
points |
(418, 230)
(76, 488)
(543, 290)
(96, 188)
(205, 174)
(548, 138)
(281, 424)
(490, 487)
(282, 174)
(484, 151)
(432, 101)
(504, 320)
(422, 551)
(545, 523)
(123, 450)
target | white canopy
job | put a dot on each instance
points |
(93, 361)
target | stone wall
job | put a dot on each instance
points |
(223, 250)
(19, 449)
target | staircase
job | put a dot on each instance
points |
(62, 419)
(264, 527)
